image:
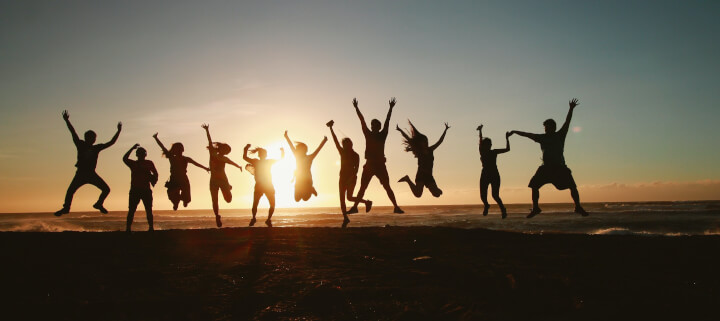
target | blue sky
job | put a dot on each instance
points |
(645, 72)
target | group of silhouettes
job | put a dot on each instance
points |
(144, 175)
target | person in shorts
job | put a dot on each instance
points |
(553, 170)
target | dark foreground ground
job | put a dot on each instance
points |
(358, 273)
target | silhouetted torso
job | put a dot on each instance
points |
(141, 176)
(553, 146)
(87, 156)
(349, 163)
(263, 173)
(217, 167)
(375, 145)
(178, 165)
(489, 159)
(426, 160)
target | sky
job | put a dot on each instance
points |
(645, 72)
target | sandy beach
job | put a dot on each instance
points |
(391, 273)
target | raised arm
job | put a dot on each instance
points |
(292, 148)
(317, 150)
(442, 138)
(360, 116)
(126, 157)
(114, 138)
(480, 137)
(337, 143)
(192, 161)
(245, 156)
(66, 117)
(157, 140)
(386, 127)
(573, 103)
(402, 132)
(507, 142)
(207, 132)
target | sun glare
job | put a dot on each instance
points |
(283, 173)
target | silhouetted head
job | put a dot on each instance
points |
(261, 152)
(301, 148)
(486, 144)
(222, 148)
(90, 137)
(417, 142)
(177, 149)
(375, 125)
(550, 126)
(347, 143)
(141, 153)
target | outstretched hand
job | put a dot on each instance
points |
(135, 146)
(355, 103)
(508, 134)
(66, 115)
(447, 126)
(286, 134)
(247, 146)
(330, 123)
(573, 103)
(479, 127)
(392, 102)
(155, 135)
(205, 126)
(119, 126)
(397, 127)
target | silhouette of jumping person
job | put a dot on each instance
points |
(375, 156)
(303, 163)
(218, 178)
(261, 168)
(178, 185)
(349, 165)
(417, 143)
(553, 170)
(142, 175)
(490, 174)
(87, 157)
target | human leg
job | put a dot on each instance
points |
(382, 175)
(256, 199)
(97, 181)
(271, 199)
(76, 183)
(133, 201)
(367, 174)
(484, 183)
(216, 208)
(576, 198)
(496, 196)
(147, 200)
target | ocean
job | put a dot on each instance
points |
(641, 218)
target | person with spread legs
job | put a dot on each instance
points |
(87, 157)
(553, 169)
(375, 138)
(143, 177)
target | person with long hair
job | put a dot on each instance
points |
(303, 163)
(178, 185)
(349, 165)
(218, 179)
(490, 176)
(417, 143)
(261, 168)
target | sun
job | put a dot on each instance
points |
(283, 173)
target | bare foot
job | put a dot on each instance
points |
(397, 210)
(353, 210)
(368, 206)
(100, 208)
(252, 222)
(268, 223)
(62, 211)
(218, 221)
(581, 211)
(485, 210)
